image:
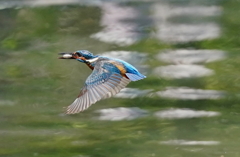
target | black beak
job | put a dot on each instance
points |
(66, 56)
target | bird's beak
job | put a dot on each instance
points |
(66, 56)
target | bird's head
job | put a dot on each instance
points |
(80, 55)
(84, 53)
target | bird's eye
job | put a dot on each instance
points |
(77, 54)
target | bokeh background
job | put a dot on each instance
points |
(188, 106)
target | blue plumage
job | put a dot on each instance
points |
(132, 73)
(109, 76)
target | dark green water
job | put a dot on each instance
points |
(188, 106)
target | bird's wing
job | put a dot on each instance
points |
(104, 82)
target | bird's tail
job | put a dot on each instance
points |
(135, 77)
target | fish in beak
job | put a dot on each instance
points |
(67, 56)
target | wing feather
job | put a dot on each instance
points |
(104, 82)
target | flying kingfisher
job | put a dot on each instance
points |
(108, 77)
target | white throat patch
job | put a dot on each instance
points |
(92, 60)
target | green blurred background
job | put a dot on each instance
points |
(35, 85)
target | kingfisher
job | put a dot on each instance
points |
(108, 77)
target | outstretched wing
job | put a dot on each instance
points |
(105, 81)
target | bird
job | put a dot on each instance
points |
(108, 77)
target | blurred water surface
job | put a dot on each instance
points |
(187, 106)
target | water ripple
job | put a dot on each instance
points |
(185, 56)
(7, 103)
(121, 113)
(177, 33)
(116, 29)
(190, 93)
(185, 142)
(182, 71)
(184, 113)
(132, 93)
